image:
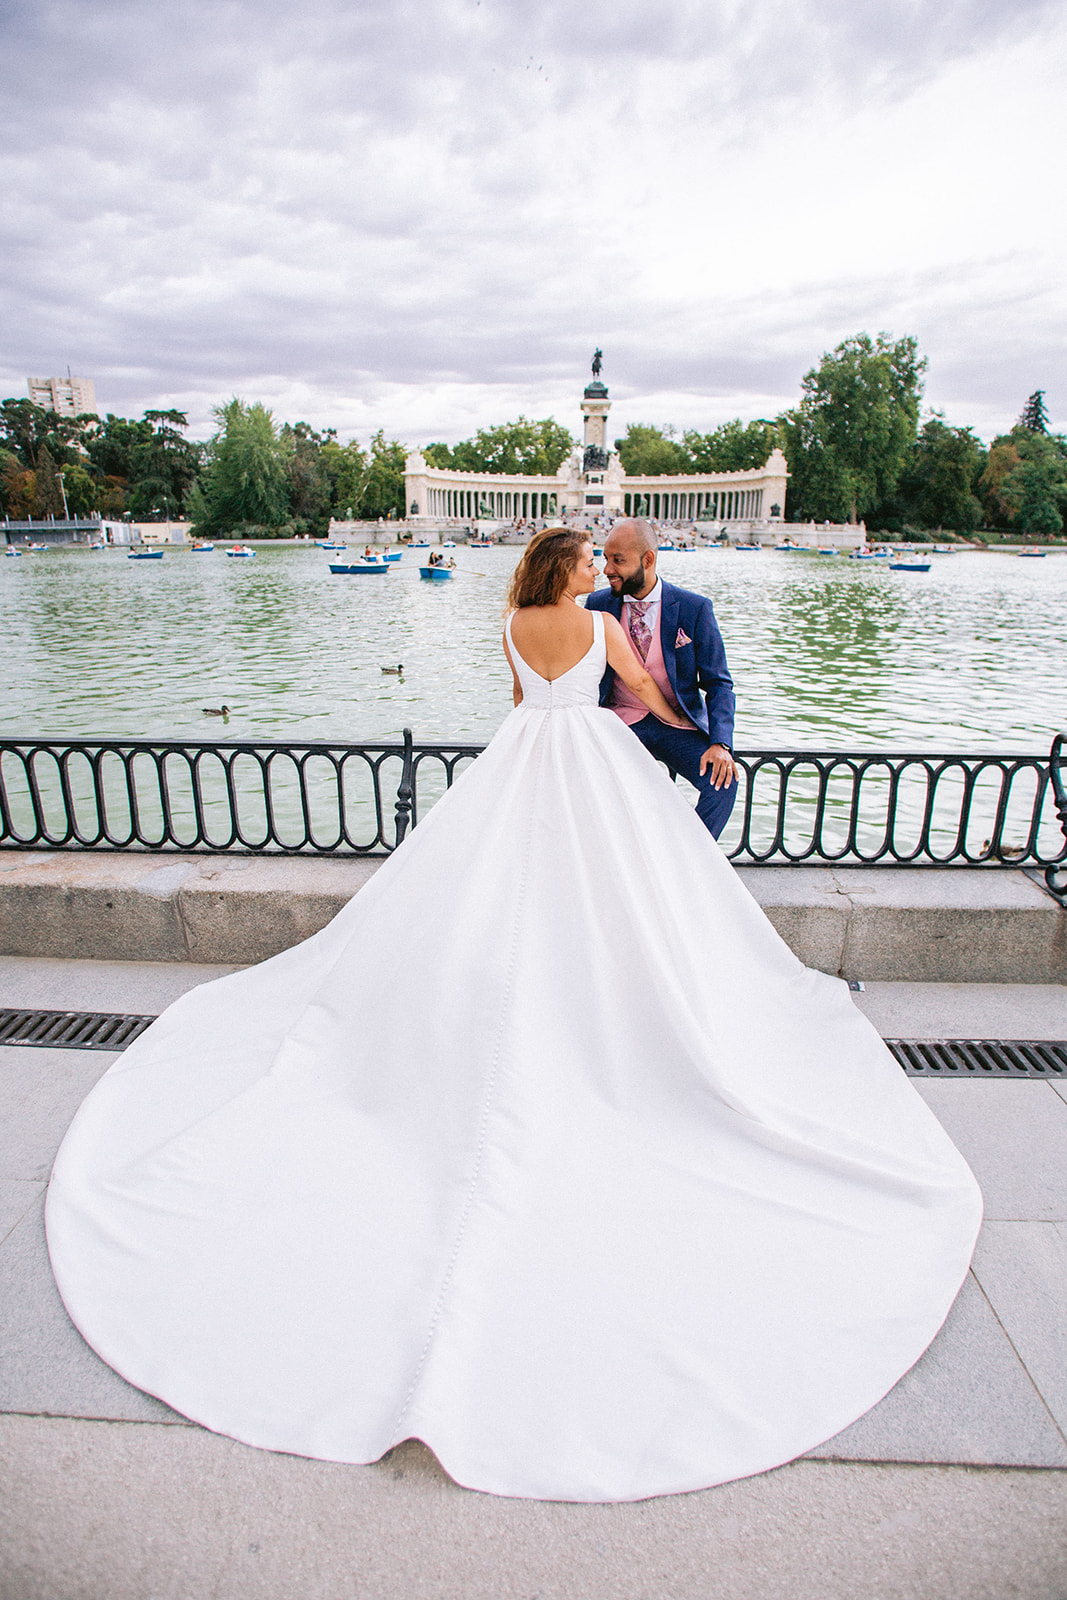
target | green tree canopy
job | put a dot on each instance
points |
(936, 488)
(48, 495)
(1034, 416)
(534, 448)
(732, 446)
(310, 482)
(1024, 484)
(163, 465)
(383, 489)
(245, 483)
(648, 451)
(847, 442)
(26, 428)
(347, 468)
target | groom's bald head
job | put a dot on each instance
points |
(630, 557)
(635, 534)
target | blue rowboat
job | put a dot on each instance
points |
(909, 566)
(345, 568)
(393, 555)
(144, 555)
(435, 574)
(747, 547)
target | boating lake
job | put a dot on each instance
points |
(826, 653)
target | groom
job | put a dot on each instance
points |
(675, 636)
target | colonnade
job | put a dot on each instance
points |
(720, 505)
(469, 504)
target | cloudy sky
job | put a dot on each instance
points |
(423, 215)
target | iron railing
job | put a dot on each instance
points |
(807, 807)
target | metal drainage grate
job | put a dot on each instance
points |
(977, 1058)
(920, 1058)
(72, 1030)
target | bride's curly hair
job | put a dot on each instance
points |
(547, 562)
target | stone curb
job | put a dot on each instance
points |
(897, 924)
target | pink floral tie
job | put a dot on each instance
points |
(640, 632)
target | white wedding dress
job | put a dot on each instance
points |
(547, 1152)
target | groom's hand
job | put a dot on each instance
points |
(721, 762)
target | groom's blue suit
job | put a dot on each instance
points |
(695, 660)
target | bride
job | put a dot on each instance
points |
(602, 1195)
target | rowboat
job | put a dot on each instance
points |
(350, 568)
(202, 547)
(748, 547)
(144, 555)
(333, 547)
(909, 566)
(12, 551)
(36, 547)
(480, 544)
(436, 574)
(1039, 553)
(393, 555)
(240, 550)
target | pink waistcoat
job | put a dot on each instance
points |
(623, 701)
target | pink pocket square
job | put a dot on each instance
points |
(683, 638)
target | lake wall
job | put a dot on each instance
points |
(948, 925)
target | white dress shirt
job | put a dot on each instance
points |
(652, 601)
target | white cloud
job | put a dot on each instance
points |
(424, 216)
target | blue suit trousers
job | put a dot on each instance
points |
(681, 749)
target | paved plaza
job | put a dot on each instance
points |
(951, 1489)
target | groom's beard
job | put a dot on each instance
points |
(633, 584)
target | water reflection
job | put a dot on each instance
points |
(826, 653)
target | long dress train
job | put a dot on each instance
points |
(546, 1151)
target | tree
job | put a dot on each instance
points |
(48, 495)
(1034, 416)
(25, 428)
(383, 490)
(163, 465)
(936, 486)
(310, 482)
(348, 469)
(245, 482)
(648, 451)
(1024, 485)
(18, 486)
(847, 442)
(533, 448)
(731, 447)
(113, 444)
(1032, 500)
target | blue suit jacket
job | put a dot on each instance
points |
(697, 671)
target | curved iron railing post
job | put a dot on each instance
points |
(862, 808)
(1056, 875)
(406, 790)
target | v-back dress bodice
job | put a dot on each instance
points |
(598, 1191)
(578, 686)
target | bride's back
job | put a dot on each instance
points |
(552, 639)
